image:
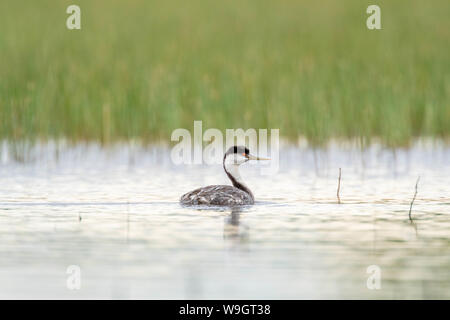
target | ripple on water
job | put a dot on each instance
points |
(120, 221)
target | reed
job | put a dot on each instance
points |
(140, 69)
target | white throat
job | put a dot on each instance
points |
(232, 167)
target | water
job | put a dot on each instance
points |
(114, 213)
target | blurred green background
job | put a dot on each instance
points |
(138, 69)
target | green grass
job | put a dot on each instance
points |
(140, 69)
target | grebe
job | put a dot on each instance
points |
(223, 195)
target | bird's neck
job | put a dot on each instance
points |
(232, 171)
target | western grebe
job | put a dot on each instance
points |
(223, 195)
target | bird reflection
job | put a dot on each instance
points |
(233, 230)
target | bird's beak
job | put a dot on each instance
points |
(252, 157)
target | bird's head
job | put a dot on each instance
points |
(238, 155)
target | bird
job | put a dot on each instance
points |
(226, 195)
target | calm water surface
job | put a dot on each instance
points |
(114, 213)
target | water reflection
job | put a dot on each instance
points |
(121, 222)
(234, 231)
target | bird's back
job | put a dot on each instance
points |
(221, 195)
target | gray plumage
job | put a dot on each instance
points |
(223, 195)
(217, 195)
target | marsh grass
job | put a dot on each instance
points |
(139, 69)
